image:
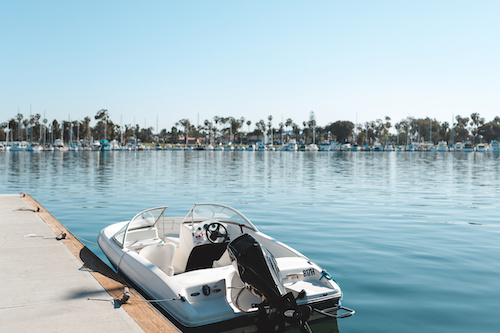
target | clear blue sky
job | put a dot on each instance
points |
(345, 60)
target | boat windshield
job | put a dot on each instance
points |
(147, 218)
(221, 213)
(144, 220)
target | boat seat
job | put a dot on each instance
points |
(224, 260)
(171, 239)
(160, 255)
(203, 256)
(137, 239)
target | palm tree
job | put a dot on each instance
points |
(476, 121)
(281, 127)
(295, 129)
(239, 124)
(460, 128)
(288, 123)
(312, 124)
(261, 126)
(4, 131)
(19, 118)
(249, 122)
(44, 129)
(270, 126)
(186, 124)
(217, 119)
(26, 122)
(208, 128)
(102, 124)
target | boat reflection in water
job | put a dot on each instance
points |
(317, 323)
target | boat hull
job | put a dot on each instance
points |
(215, 296)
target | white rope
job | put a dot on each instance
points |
(37, 236)
(85, 240)
(119, 299)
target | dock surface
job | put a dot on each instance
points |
(51, 285)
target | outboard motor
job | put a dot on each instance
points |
(257, 268)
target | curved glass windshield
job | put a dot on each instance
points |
(144, 220)
(221, 213)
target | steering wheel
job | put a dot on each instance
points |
(216, 232)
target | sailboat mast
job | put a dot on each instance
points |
(430, 132)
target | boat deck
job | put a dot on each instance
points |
(53, 285)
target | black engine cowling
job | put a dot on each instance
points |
(257, 268)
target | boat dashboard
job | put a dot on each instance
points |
(203, 242)
(212, 231)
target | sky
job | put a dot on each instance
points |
(153, 63)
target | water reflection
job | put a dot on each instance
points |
(318, 325)
(408, 221)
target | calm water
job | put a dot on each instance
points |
(413, 239)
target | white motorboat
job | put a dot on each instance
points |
(261, 146)
(346, 146)
(442, 146)
(96, 146)
(19, 146)
(48, 147)
(324, 145)
(214, 267)
(131, 146)
(59, 145)
(198, 146)
(291, 145)
(377, 146)
(389, 146)
(494, 146)
(312, 147)
(334, 146)
(468, 147)
(481, 148)
(34, 147)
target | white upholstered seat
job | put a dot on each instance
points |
(224, 260)
(160, 255)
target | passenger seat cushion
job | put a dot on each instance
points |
(160, 255)
(225, 260)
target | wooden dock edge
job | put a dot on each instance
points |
(143, 313)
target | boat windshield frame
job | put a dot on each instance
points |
(139, 221)
(217, 213)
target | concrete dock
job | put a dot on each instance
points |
(51, 285)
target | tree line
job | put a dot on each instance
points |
(231, 129)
